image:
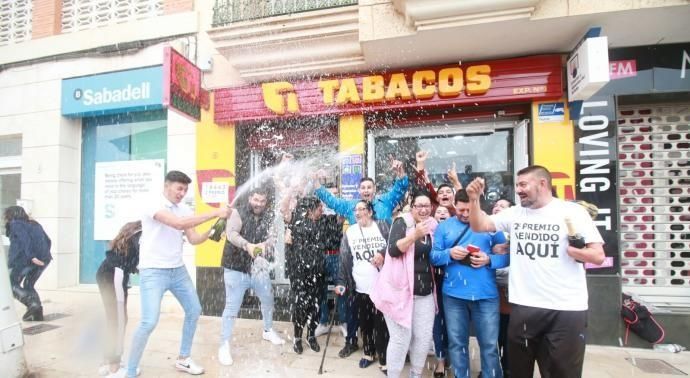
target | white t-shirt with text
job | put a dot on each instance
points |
(542, 274)
(363, 271)
(160, 245)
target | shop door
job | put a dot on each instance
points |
(478, 150)
(262, 159)
(654, 187)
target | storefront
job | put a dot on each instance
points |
(125, 143)
(484, 117)
(633, 161)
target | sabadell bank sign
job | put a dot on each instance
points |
(113, 92)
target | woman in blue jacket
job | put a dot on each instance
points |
(28, 257)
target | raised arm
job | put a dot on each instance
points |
(183, 223)
(479, 221)
(339, 205)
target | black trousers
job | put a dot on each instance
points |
(22, 282)
(554, 339)
(113, 289)
(372, 327)
(306, 294)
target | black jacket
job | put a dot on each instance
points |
(27, 240)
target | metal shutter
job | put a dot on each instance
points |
(654, 186)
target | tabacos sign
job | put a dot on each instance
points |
(113, 92)
(420, 85)
(499, 81)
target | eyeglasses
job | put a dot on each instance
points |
(422, 206)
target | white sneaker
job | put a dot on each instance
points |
(321, 329)
(273, 337)
(224, 356)
(343, 329)
(104, 370)
(189, 366)
(120, 373)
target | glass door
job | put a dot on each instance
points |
(478, 150)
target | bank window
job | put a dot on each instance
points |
(125, 137)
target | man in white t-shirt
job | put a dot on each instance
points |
(547, 284)
(161, 268)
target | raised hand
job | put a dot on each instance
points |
(475, 189)
(421, 156)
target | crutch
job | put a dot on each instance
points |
(330, 328)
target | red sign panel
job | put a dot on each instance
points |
(491, 82)
(182, 84)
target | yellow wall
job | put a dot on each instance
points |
(215, 161)
(351, 134)
(553, 148)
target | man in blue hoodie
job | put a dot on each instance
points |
(469, 288)
(384, 205)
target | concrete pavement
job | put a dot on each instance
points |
(72, 348)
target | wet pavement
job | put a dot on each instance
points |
(70, 346)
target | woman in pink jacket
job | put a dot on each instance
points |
(404, 290)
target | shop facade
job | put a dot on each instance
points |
(479, 116)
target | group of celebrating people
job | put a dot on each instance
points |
(409, 267)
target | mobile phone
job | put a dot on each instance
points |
(473, 249)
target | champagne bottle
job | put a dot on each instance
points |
(217, 229)
(575, 240)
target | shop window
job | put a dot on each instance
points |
(487, 155)
(10, 175)
(126, 137)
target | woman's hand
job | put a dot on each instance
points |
(38, 262)
(377, 260)
(339, 290)
(421, 229)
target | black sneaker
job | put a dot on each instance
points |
(297, 346)
(33, 314)
(347, 350)
(311, 340)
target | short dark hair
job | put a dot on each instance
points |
(461, 196)
(505, 199)
(177, 176)
(444, 185)
(366, 179)
(537, 170)
(414, 199)
(308, 203)
(260, 191)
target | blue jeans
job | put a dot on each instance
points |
(236, 284)
(153, 283)
(332, 264)
(485, 316)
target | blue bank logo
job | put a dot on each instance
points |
(115, 92)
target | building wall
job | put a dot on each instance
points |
(51, 154)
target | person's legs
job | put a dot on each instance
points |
(565, 344)
(366, 324)
(458, 327)
(30, 280)
(381, 337)
(352, 319)
(422, 329)
(16, 278)
(398, 344)
(152, 284)
(503, 342)
(525, 332)
(108, 297)
(440, 333)
(315, 299)
(183, 289)
(264, 290)
(484, 315)
(331, 269)
(236, 284)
